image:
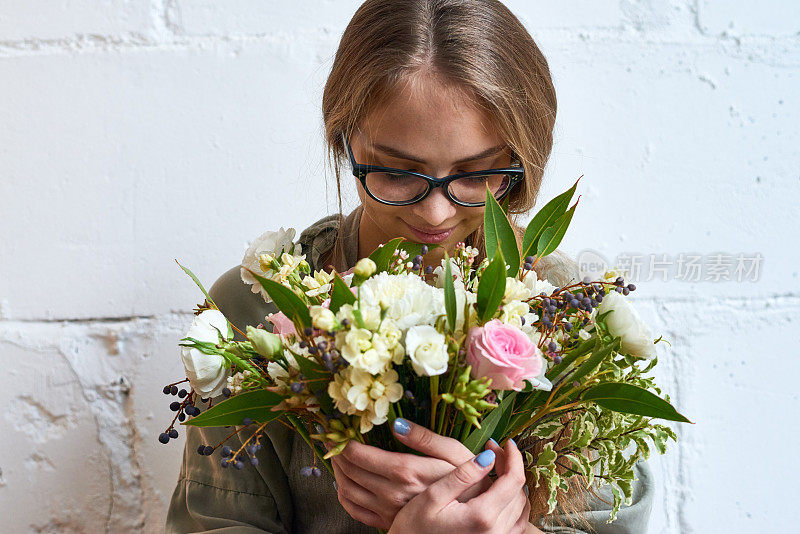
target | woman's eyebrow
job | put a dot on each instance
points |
(402, 155)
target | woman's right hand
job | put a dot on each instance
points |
(498, 510)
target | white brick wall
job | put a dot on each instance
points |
(141, 131)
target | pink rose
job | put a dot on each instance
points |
(503, 353)
(282, 325)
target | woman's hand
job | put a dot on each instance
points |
(498, 510)
(374, 484)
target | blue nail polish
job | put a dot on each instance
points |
(401, 426)
(485, 458)
(526, 490)
(493, 441)
(514, 442)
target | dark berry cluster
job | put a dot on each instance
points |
(183, 408)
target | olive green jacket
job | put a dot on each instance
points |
(274, 497)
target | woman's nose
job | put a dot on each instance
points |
(435, 209)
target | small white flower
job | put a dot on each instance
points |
(427, 350)
(271, 243)
(207, 373)
(624, 322)
(362, 351)
(357, 392)
(438, 272)
(318, 284)
(583, 334)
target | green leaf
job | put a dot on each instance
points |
(552, 236)
(256, 405)
(318, 378)
(547, 430)
(627, 398)
(499, 234)
(478, 438)
(593, 361)
(547, 457)
(492, 287)
(284, 298)
(449, 295)
(340, 294)
(196, 281)
(383, 255)
(544, 218)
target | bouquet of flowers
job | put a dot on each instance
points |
(471, 349)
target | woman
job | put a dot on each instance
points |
(436, 87)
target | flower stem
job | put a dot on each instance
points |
(301, 429)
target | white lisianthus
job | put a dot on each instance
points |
(624, 322)
(357, 392)
(207, 373)
(427, 350)
(272, 244)
(537, 286)
(318, 284)
(322, 318)
(407, 299)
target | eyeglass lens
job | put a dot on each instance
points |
(401, 187)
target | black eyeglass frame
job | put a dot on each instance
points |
(516, 174)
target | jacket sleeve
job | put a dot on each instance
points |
(631, 519)
(210, 498)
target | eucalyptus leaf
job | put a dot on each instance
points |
(290, 304)
(627, 398)
(478, 438)
(499, 233)
(449, 295)
(340, 295)
(492, 287)
(256, 405)
(544, 218)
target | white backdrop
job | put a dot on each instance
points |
(134, 132)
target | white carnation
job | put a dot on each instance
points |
(537, 286)
(407, 299)
(207, 373)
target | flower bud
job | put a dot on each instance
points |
(322, 318)
(365, 268)
(265, 343)
(265, 262)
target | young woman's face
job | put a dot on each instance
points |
(432, 129)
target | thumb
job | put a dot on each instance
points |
(463, 477)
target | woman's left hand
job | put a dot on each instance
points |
(374, 484)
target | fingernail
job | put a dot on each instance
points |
(512, 441)
(485, 458)
(526, 490)
(336, 486)
(401, 426)
(493, 441)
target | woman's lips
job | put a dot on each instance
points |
(429, 236)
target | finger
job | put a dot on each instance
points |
(359, 513)
(370, 458)
(375, 483)
(508, 483)
(521, 526)
(347, 488)
(500, 461)
(430, 443)
(397, 467)
(453, 484)
(512, 512)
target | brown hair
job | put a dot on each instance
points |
(477, 46)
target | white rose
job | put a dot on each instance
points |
(207, 373)
(624, 322)
(271, 243)
(322, 318)
(427, 350)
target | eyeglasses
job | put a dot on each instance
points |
(397, 187)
